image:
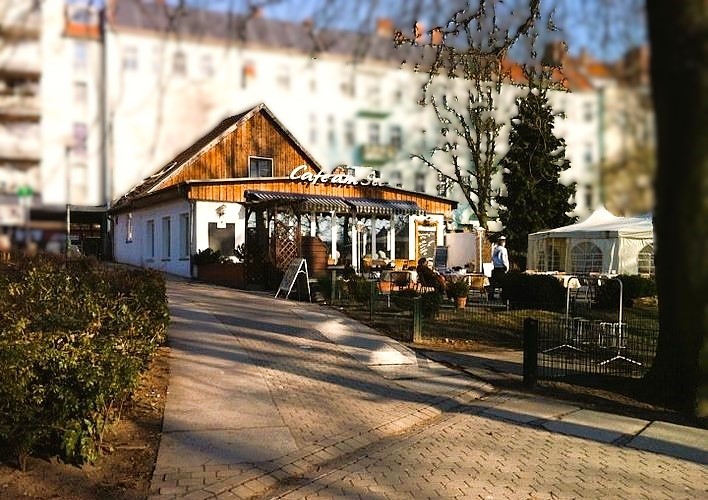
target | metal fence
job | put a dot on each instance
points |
(577, 347)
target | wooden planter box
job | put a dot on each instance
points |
(231, 274)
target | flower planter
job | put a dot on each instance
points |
(232, 274)
(460, 302)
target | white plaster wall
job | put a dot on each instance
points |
(136, 252)
(205, 212)
(440, 236)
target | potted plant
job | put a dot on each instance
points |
(458, 290)
(213, 267)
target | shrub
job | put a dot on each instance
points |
(208, 256)
(457, 288)
(634, 287)
(537, 290)
(430, 303)
(73, 341)
(404, 299)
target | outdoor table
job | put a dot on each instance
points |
(617, 333)
(333, 270)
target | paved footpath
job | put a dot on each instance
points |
(278, 399)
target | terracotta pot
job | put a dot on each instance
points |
(460, 302)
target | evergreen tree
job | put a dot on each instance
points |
(534, 198)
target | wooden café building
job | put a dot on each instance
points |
(249, 189)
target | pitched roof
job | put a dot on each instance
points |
(261, 31)
(226, 126)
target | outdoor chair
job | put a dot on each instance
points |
(478, 287)
(400, 280)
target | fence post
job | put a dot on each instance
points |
(530, 352)
(417, 320)
(372, 299)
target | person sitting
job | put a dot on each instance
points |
(429, 278)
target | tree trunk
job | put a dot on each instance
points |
(679, 73)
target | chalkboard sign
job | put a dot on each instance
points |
(426, 242)
(440, 260)
(296, 268)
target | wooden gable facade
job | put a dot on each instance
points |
(256, 133)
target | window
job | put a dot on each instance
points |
(588, 156)
(166, 237)
(349, 134)
(80, 139)
(80, 93)
(586, 257)
(260, 167)
(150, 239)
(313, 129)
(179, 63)
(589, 111)
(283, 78)
(396, 137)
(80, 55)
(420, 182)
(589, 195)
(77, 191)
(645, 260)
(222, 238)
(396, 178)
(184, 249)
(331, 132)
(347, 88)
(313, 85)
(398, 96)
(375, 95)
(130, 58)
(248, 73)
(129, 228)
(156, 58)
(207, 66)
(374, 133)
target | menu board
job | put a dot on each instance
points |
(427, 238)
(296, 267)
(440, 260)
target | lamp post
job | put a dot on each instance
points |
(24, 195)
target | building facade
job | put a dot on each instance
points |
(125, 88)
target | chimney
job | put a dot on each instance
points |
(419, 32)
(437, 37)
(584, 57)
(384, 27)
(555, 53)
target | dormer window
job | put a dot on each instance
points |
(260, 167)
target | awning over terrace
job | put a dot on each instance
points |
(320, 203)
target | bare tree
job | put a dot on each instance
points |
(471, 48)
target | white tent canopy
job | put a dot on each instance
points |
(602, 243)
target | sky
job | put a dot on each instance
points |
(605, 28)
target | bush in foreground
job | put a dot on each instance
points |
(73, 341)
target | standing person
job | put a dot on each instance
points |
(500, 260)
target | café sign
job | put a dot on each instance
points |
(302, 174)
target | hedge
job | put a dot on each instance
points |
(74, 338)
(633, 287)
(537, 290)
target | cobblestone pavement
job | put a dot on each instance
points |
(468, 455)
(358, 434)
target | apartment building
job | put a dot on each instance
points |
(125, 88)
(20, 71)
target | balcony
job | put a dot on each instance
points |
(20, 60)
(21, 152)
(376, 154)
(20, 20)
(19, 108)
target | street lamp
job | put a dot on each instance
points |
(24, 195)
